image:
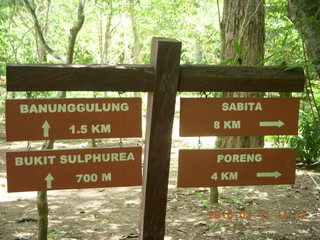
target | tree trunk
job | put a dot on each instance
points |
(242, 39)
(104, 38)
(136, 50)
(107, 34)
(242, 36)
(244, 26)
(42, 201)
(41, 51)
(136, 41)
(74, 31)
(214, 191)
(305, 15)
(104, 42)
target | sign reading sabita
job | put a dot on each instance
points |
(238, 116)
(241, 106)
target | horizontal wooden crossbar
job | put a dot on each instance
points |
(140, 78)
(78, 77)
(223, 78)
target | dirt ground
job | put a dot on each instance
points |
(260, 212)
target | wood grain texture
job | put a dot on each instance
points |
(240, 78)
(140, 78)
(76, 77)
(43, 210)
(165, 57)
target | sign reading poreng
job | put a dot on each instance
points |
(43, 119)
(236, 167)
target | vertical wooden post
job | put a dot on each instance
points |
(42, 204)
(165, 58)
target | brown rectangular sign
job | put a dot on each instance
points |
(43, 119)
(236, 167)
(238, 116)
(73, 169)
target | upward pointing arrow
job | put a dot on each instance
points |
(49, 178)
(46, 128)
(278, 123)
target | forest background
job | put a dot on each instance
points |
(120, 31)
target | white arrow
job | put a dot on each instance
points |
(275, 174)
(49, 180)
(46, 128)
(278, 123)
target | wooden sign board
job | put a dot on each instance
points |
(73, 169)
(238, 116)
(236, 167)
(44, 119)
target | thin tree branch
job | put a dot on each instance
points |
(40, 33)
(100, 29)
(108, 33)
(45, 28)
(75, 30)
(136, 41)
(312, 99)
(22, 38)
(219, 17)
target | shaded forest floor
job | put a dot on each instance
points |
(261, 212)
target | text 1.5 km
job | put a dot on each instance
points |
(94, 128)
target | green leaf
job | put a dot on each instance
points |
(266, 58)
(237, 47)
(296, 65)
(229, 60)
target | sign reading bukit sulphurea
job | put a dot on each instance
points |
(238, 116)
(44, 119)
(73, 169)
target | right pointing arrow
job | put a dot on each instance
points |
(278, 123)
(49, 178)
(275, 174)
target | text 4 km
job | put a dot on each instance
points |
(225, 176)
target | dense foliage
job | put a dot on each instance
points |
(119, 31)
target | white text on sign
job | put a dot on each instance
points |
(72, 159)
(73, 108)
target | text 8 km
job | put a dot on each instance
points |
(227, 124)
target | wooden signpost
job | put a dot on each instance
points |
(43, 119)
(236, 167)
(162, 79)
(73, 169)
(238, 116)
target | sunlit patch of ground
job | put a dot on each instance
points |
(114, 213)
